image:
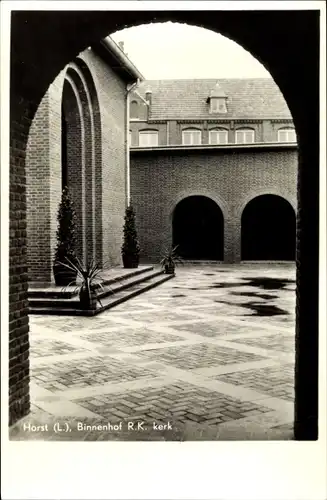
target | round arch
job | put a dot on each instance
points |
(82, 160)
(89, 82)
(65, 34)
(198, 229)
(268, 229)
(218, 200)
(260, 192)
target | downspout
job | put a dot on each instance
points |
(128, 180)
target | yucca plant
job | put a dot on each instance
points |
(89, 280)
(170, 260)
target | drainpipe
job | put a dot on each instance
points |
(128, 180)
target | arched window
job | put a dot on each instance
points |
(218, 136)
(244, 135)
(148, 138)
(286, 135)
(134, 110)
(191, 136)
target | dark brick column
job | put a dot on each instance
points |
(19, 399)
(307, 296)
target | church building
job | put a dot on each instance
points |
(213, 169)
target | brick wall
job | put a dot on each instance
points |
(19, 398)
(136, 126)
(43, 183)
(159, 180)
(96, 164)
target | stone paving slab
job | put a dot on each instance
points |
(191, 354)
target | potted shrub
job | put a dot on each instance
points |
(66, 241)
(130, 248)
(89, 281)
(170, 260)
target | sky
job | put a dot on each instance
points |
(172, 50)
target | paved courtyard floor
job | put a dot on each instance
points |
(208, 355)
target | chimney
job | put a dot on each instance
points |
(121, 46)
(148, 95)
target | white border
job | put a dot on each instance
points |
(242, 470)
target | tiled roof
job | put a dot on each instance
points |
(187, 99)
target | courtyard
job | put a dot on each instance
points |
(208, 355)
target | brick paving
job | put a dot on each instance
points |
(277, 342)
(86, 372)
(42, 348)
(277, 381)
(199, 356)
(189, 360)
(175, 402)
(126, 337)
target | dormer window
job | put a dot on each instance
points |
(217, 100)
(218, 105)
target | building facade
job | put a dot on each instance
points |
(78, 139)
(213, 169)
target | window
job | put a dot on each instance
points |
(134, 110)
(148, 138)
(218, 136)
(130, 138)
(286, 135)
(244, 135)
(218, 105)
(191, 137)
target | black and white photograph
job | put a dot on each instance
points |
(164, 223)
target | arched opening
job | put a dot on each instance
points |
(50, 33)
(73, 159)
(198, 229)
(81, 162)
(268, 229)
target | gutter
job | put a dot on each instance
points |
(205, 147)
(121, 58)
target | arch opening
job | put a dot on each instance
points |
(268, 229)
(198, 229)
(73, 158)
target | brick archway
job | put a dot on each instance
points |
(268, 229)
(198, 229)
(65, 34)
(68, 122)
(77, 119)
